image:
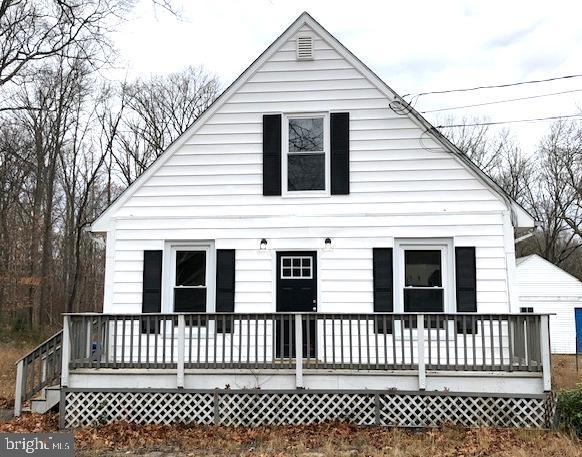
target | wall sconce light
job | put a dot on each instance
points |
(263, 244)
(327, 244)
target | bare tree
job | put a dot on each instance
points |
(158, 111)
(480, 144)
(32, 31)
(496, 153)
(561, 153)
(36, 30)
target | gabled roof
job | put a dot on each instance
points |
(535, 257)
(519, 216)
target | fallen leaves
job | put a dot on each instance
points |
(329, 439)
(31, 423)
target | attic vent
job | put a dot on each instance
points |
(304, 48)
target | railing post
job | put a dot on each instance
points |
(420, 351)
(66, 351)
(298, 352)
(545, 350)
(19, 388)
(181, 349)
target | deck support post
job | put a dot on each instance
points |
(66, 351)
(19, 387)
(298, 352)
(420, 350)
(180, 354)
(545, 349)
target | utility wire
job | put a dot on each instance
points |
(508, 100)
(538, 119)
(494, 86)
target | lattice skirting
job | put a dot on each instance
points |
(252, 408)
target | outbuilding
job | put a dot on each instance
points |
(546, 288)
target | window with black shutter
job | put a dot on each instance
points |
(307, 153)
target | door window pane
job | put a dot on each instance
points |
(306, 135)
(296, 268)
(423, 268)
(306, 172)
(191, 268)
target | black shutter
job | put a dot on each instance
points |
(152, 288)
(272, 154)
(340, 153)
(383, 287)
(225, 260)
(466, 282)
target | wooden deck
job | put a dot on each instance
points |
(495, 363)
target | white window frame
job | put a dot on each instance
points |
(285, 154)
(169, 278)
(447, 270)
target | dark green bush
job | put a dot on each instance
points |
(570, 409)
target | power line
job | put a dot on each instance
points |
(508, 100)
(538, 119)
(494, 86)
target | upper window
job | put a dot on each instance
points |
(423, 283)
(306, 162)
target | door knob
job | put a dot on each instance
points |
(314, 308)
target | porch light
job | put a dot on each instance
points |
(327, 244)
(263, 244)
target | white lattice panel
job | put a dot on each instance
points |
(272, 408)
(94, 408)
(284, 408)
(433, 410)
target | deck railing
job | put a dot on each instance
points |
(311, 341)
(38, 369)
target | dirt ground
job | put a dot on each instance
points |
(308, 441)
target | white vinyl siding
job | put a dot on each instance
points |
(548, 289)
(211, 189)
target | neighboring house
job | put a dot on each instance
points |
(546, 288)
(312, 249)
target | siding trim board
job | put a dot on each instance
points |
(520, 217)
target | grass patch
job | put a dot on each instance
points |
(564, 374)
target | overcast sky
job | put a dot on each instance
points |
(415, 46)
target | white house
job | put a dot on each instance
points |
(546, 288)
(310, 239)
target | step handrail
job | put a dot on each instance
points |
(38, 369)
